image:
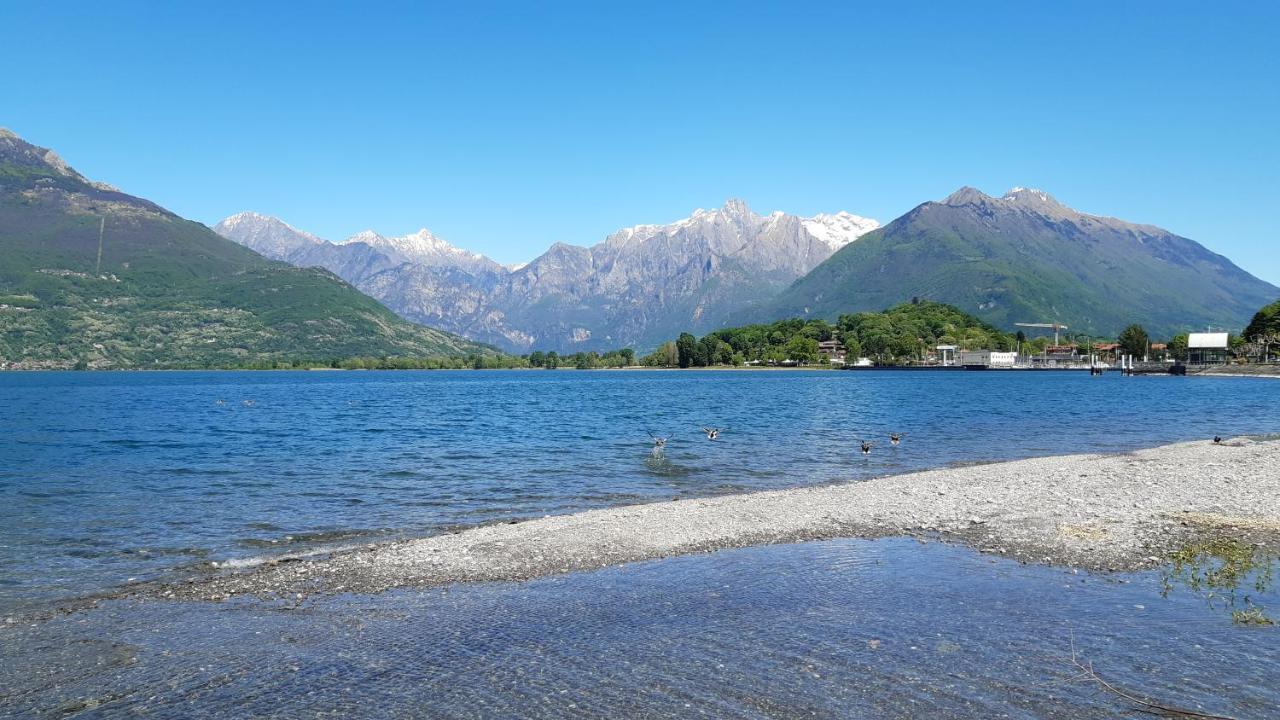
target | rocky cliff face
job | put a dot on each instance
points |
(636, 288)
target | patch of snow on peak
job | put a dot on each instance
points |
(838, 229)
(1030, 194)
(253, 221)
(423, 248)
(1036, 200)
(1021, 191)
(368, 237)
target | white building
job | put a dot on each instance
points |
(946, 355)
(1207, 348)
(988, 358)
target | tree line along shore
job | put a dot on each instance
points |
(900, 335)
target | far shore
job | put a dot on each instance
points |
(1101, 512)
(716, 368)
(1261, 371)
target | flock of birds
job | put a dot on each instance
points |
(713, 434)
(246, 403)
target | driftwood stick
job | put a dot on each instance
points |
(1089, 673)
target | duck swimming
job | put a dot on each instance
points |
(895, 438)
(659, 443)
(866, 447)
(712, 433)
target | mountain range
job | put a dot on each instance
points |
(90, 275)
(1022, 257)
(1025, 257)
(638, 286)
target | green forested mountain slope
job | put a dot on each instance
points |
(1026, 258)
(166, 291)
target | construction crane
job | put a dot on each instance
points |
(1056, 327)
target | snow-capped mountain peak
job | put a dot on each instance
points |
(257, 222)
(423, 248)
(1032, 196)
(838, 229)
(835, 230)
(367, 237)
(265, 234)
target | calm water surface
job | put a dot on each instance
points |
(107, 477)
(840, 629)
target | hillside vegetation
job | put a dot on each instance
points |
(902, 333)
(93, 277)
(1027, 258)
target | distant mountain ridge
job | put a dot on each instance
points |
(634, 288)
(90, 275)
(1025, 257)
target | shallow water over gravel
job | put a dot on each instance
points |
(111, 476)
(846, 628)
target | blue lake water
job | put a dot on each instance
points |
(838, 629)
(107, 477)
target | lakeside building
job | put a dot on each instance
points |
(988, 358)
(946, 355)
(834, 351)
(1061, 353)
(1207, 348)
(1056, 356)
(1107, 352)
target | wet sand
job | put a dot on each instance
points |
(1100, 512)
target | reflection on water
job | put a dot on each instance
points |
(839, 629)
(1229, 574)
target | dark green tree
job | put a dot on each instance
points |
(802, 349)
(708, 350)
(687, 348)
(1265, 322)
(1133, 341)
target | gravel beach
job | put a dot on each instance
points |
(1262, 371)
(1101, 512)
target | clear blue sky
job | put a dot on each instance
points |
(506, 127)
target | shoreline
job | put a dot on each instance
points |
(1255, 371)
(1117, 512)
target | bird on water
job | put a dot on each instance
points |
(659, 443)
(866, 447)
(895, 438)
(712, 433)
